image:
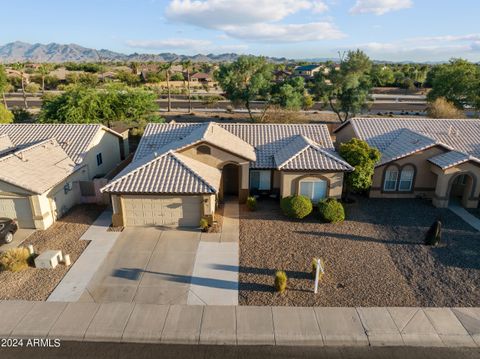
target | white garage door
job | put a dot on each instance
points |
(163, 210)
(18, 208)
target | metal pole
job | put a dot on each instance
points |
(317, 273)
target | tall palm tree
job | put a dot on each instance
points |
(166, 68)
(44, 70)
(187, 66)
(20, 67)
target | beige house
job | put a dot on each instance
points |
(46, 169)
(181, 170)
(428, 158)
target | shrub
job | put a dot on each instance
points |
(252, 203)
(296, 206)
(15, 259)
(32, 87)
(204, 224)
(331, 210)
(314, 268)
(442, 108)
(434, 234)
(280, 281)
(5, 115)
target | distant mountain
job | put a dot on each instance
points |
(20, 52)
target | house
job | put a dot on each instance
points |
(201, 77)
(281, 75)
(181, 170)
(45, 169)
(430, 158)
(307, 71)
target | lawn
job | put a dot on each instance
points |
(64, 235)
(375, 258)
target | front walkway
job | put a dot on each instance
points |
(77, 278)
(465, 215)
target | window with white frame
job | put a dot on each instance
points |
(406, 179)
(260, 180)
(315, 189)
(391, 178)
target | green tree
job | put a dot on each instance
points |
(44, 70)
(80, 104)
(20, 67)
(3, 85)
(5, 115)
(360, 155)
(128, 78)
(457, 82)
(290, 94)
(187, 66)
(382, 75)
(347, 89)
(166, 68)
(245, 80)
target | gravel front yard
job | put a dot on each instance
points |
(37, 284)
(375, 258)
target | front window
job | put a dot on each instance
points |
(391, 178)
(406, 179)
(314, 189)
(260, 180)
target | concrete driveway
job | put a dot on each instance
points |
(146, 265)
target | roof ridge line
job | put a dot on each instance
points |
(175, 155)
(31, 147)
(295, 154)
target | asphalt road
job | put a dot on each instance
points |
(79, 350)
(380, 106)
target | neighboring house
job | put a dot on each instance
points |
(307, 71)
(180, 171)
(430, 158)
(45, 168)
(281, 75)
(200, 77)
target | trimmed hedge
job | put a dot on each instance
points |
(331, 210)
(296, 206)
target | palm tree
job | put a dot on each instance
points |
(44, 70)
(20, 67)
(186, 66)
(166, 67)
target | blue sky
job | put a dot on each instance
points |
(423, 30)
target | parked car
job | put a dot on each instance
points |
(8, 227)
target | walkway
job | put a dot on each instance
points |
(237, 325)
(77, 278)
(465, 215)
(215, 274)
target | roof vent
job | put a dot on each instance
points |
(155, 154)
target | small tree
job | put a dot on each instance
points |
(44, 70)
(166, 68)
(363, 157)
(5, 115)
(187, 65)
(20, 67)
(4, 84)
(442, 108)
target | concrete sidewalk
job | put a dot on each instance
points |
(240, 325)
(465, 215)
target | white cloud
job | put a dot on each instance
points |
(254, 20)
(169, 43)
(379, 7)
(314, 31)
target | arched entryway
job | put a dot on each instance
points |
(461, 189)
(230, 180)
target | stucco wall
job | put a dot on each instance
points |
(290, 182)
(109, 146)
(216, 158)
(344, 135)
(424, 180)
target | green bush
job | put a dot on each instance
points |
(252, 203)
(434, 234)
(296, 206)
(280, 281)
(5, 115)
(204, 224)
(15, 259)
(331, 210)
(314, 269)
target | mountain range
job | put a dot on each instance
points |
(21, 52)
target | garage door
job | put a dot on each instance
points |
(18, 208)
(163, 210)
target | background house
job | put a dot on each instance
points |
(45, 169)
(430, 158)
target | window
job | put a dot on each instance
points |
(99, 159)
(314, 189)
(260, 180)
(391, 178)
(203, 150)
(406, 179)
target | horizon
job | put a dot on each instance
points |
(387, 30)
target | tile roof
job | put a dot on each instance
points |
(399, 137)
(5, 144)
(302, 154)
(37, 168)
(451, 158)
(168, 173)
(73, 138)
